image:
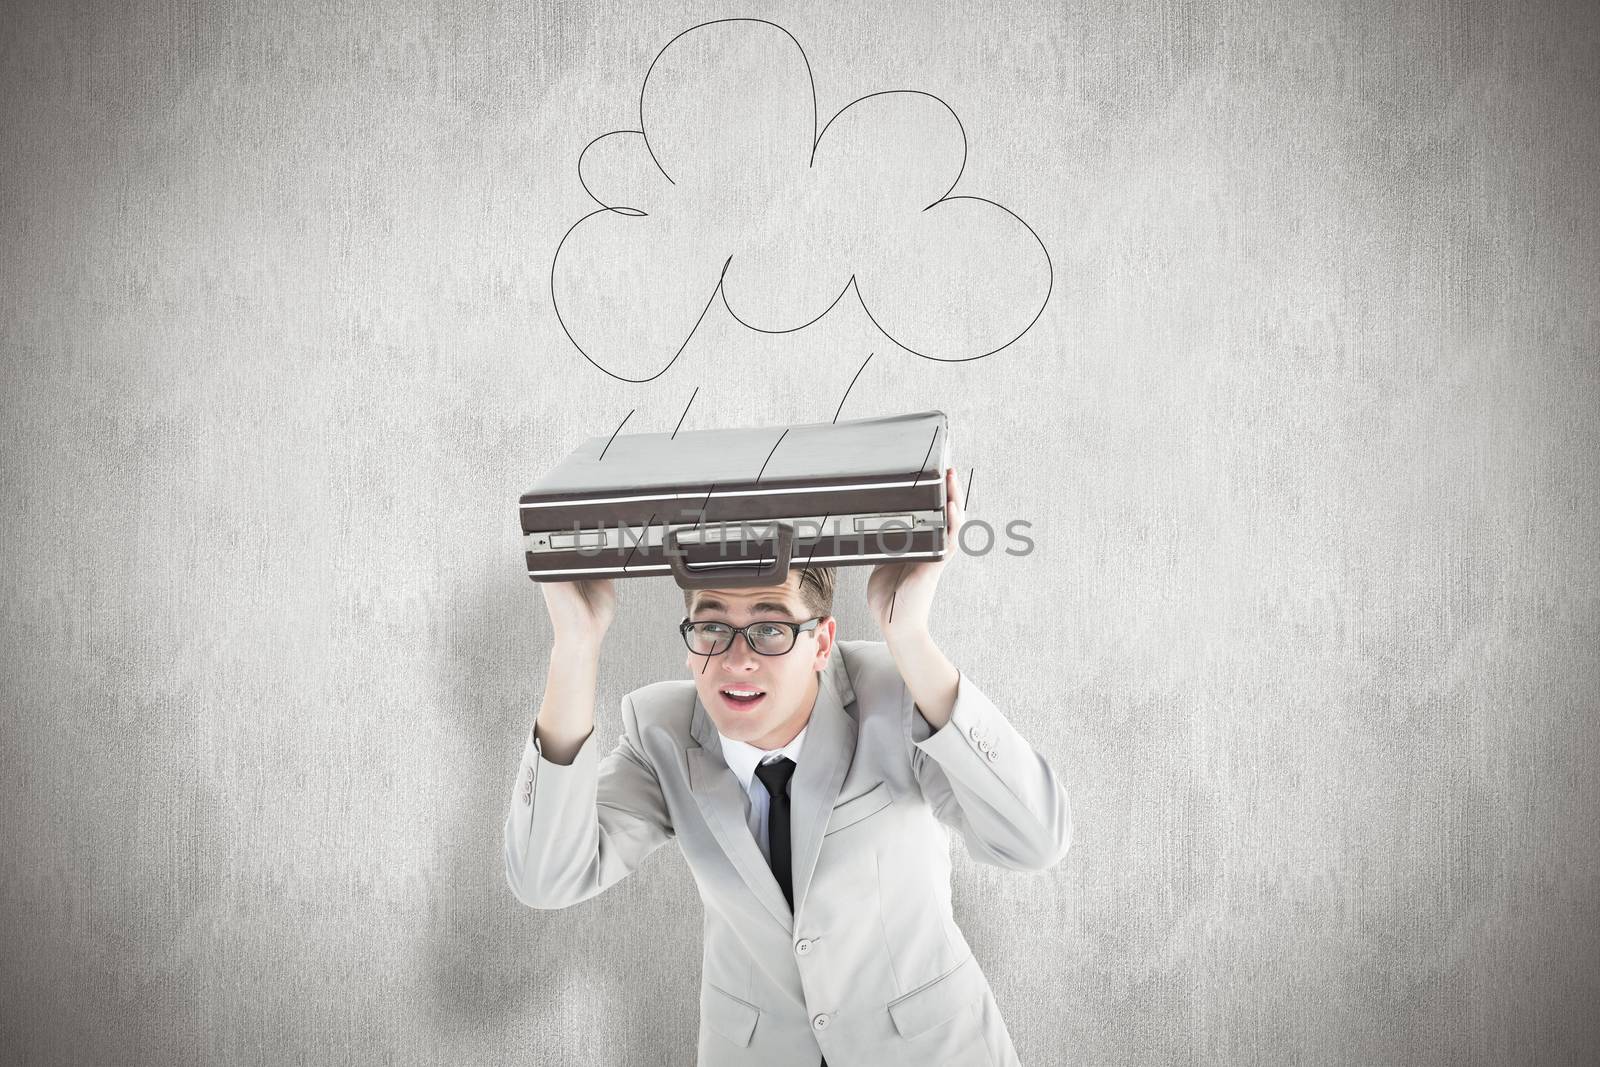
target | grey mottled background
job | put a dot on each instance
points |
(1307, 435)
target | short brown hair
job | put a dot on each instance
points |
(815, 592)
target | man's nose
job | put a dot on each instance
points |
(740, 656)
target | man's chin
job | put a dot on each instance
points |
(736, 727)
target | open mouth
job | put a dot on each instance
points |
(742, 696)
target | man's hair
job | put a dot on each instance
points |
(815, 592)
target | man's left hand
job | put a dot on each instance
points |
(900, 595)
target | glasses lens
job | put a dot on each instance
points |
(771, 638)
(708, 638)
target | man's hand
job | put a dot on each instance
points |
(580, 611)
(900, 595)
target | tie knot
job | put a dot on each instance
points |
(775, 775)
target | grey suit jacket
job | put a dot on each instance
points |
(869, 968)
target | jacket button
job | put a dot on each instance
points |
(975, 732)
(803, 945)
(993, 755)
(820, 1021)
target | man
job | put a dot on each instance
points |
(809, 783)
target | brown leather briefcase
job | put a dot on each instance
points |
(739, 507)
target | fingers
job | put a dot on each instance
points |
(956, 511)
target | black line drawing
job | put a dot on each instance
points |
(733, 183)
(851, 386)
(618, 430)
(651, 521)
(686, 408)
(825, 517)
(775, 445)
(922, 469)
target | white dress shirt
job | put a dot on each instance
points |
(742, 759)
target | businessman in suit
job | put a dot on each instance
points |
(811, 783)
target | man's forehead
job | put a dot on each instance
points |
(776, 598)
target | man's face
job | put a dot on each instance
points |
(787, 683)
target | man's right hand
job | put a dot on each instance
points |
(580, 611)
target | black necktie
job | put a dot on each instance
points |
(775, 776)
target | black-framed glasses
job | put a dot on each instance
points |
(770, 637)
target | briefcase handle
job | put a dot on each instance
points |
(775, 574)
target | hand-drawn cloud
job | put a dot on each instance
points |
(728, 190)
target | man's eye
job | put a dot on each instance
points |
(767, 629)
(713, 628)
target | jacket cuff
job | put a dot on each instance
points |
(978, 746)
(539, 775)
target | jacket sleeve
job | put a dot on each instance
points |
(573, 831)
(984, 780)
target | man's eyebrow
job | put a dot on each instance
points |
(712, 604)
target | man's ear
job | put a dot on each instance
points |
(825, 632)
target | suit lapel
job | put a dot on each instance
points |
(824, 758)
(722, 801)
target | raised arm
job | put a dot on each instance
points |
(978, 774)
(578, 823)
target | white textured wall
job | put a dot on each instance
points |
(1307, 435)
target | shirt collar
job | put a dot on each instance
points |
(742, 757)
